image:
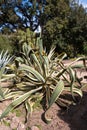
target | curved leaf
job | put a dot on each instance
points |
(56, 93)
(18, 101)
(32, 71)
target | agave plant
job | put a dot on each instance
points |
(5, 59)
(42, 76)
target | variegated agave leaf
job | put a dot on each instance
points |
(5, 59)
(18, 101)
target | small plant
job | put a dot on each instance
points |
(6, 123)
(5, 59)
(42, 76)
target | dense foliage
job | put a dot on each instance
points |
(20, 13)
(7, 44)
(63, 22)
(65, 25)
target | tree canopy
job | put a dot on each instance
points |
(65, 26)
(63, 22)
(21, 13)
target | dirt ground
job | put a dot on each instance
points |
(74, 118)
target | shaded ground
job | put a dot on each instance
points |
(74, 118)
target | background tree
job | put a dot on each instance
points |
(63, 22)
(20, 13)
(65, 25)
(75, 34)
(55, 14)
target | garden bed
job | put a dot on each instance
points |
(72, 118)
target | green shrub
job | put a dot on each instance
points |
(5, 44)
